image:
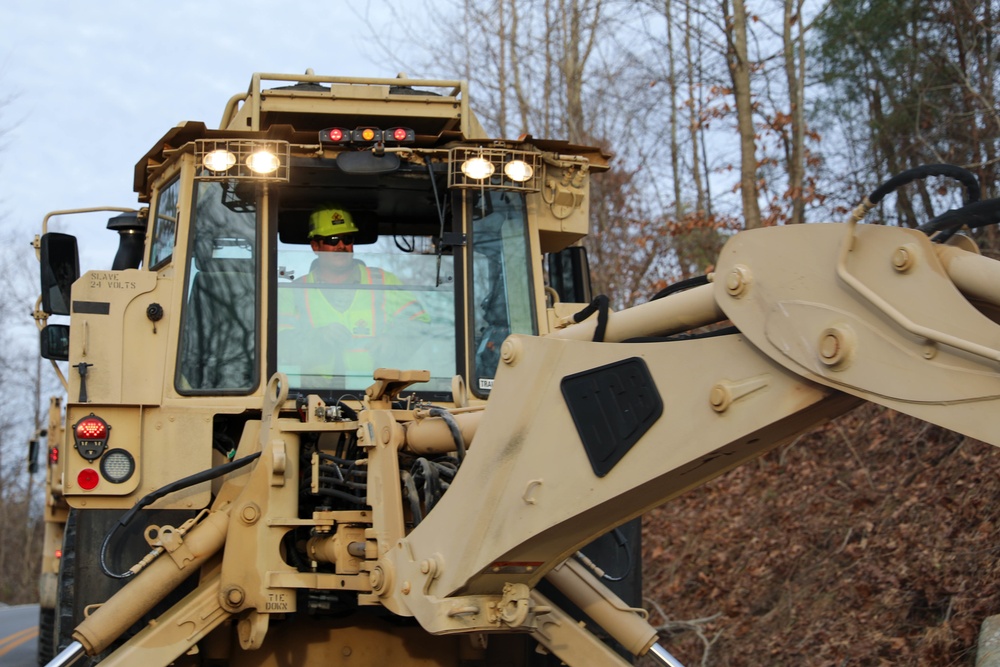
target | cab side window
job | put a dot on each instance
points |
(165, 225)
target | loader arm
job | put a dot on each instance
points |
(581, 436)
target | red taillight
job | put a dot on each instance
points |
(88, 479)
(336, 135)
(91, 435)
(53, 455)
(92, 428)
(402, 135)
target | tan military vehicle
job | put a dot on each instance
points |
(278, 446)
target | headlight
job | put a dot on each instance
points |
(219, 160)
(262, 162)
(478, 168)
(518, 171)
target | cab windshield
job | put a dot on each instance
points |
(388, 304)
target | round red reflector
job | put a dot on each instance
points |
(399, 134)
(336, 134)
(88, 479)
(91, 428)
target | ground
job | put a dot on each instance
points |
(872, 541)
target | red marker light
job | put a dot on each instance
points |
(53, 455)
(401, 135)
(335, 135)
(58, 553)
(88, 479)
(92, 428)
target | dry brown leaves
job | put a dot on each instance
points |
(870, 542)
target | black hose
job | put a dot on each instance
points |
(152, 497)
(456, 433)
(342, 495)
(427, 473)
(412, 496)
(974, 216)
(622, 544)
(600, 305)
(680, 286)
(964, 176)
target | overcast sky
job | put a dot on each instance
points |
(90, 86)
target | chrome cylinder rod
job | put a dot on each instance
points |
(67, 656)
(663, 657)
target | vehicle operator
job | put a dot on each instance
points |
(349, 321)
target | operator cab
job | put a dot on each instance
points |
(403, 306)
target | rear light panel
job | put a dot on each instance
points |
(101, 459)
(367, 136)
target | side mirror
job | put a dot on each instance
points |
(569, 274)
(32, 457)
(55, 342)
(60, 269)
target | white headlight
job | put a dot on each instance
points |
(263, 162)
(518, 170)
(218, 160)
(478, 168)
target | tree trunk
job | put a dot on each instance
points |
(675, 158)
(795, 77)
(739, 70)
(695, 109)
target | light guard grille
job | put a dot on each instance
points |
(242, 149)
(498, 157)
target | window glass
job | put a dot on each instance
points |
(218, 350)
(165, 225)
(387, 304)
(501, 281)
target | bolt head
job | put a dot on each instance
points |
(235, 596)
(738, 280)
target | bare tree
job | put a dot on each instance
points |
(738, 61)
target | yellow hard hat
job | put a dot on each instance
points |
(331, 221)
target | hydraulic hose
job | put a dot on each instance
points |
(964, 176)
(456, 432)
(150, 498)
